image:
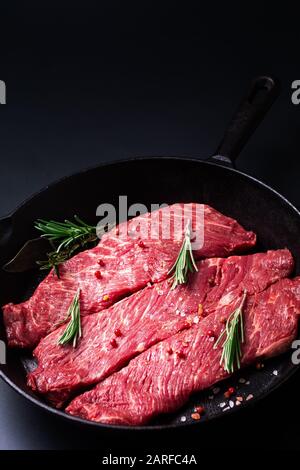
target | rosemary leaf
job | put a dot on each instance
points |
(66, 238)
(73, 329)
(185, 262)
(234, 337)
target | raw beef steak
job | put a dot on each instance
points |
(162, 379)
(127, 264)
(154, 313)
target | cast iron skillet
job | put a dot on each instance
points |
(155, 180)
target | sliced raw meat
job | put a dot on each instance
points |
(127, 265)
(146, 318)
(159, 382)
(253, 273)
(135, 323)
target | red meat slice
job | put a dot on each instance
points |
(145, 318)
(127, 266)
(158, 382)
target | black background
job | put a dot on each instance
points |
(115, 79)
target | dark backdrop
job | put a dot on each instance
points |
(99, 83)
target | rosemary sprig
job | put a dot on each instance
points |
(73, 329)
(55, 258)
(185, 262)
(234, 332)
(67, 232)
(66, 237)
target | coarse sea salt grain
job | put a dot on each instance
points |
(227, 408)
(249, 397)
(183, 419)
(238, 403)
(248, 382)
(196, 319)
(242, 380)
(231, 404)
(275, 372)
(222, 404)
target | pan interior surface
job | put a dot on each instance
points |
(156, 181)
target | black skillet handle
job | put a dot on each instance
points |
(258, 100)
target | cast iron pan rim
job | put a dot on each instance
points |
(148, 158)
(145, 428)
(150, 427)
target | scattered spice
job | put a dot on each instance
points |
(101, 262)
(105, 298)
(141, 244)
(113, 343)
(118, 332)
(199, 409)
(98, 274)
(229, 392)
(200, 310)
(195, 416)
(181, 354)
(170, 351)
(259, 365)
(211, 333)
